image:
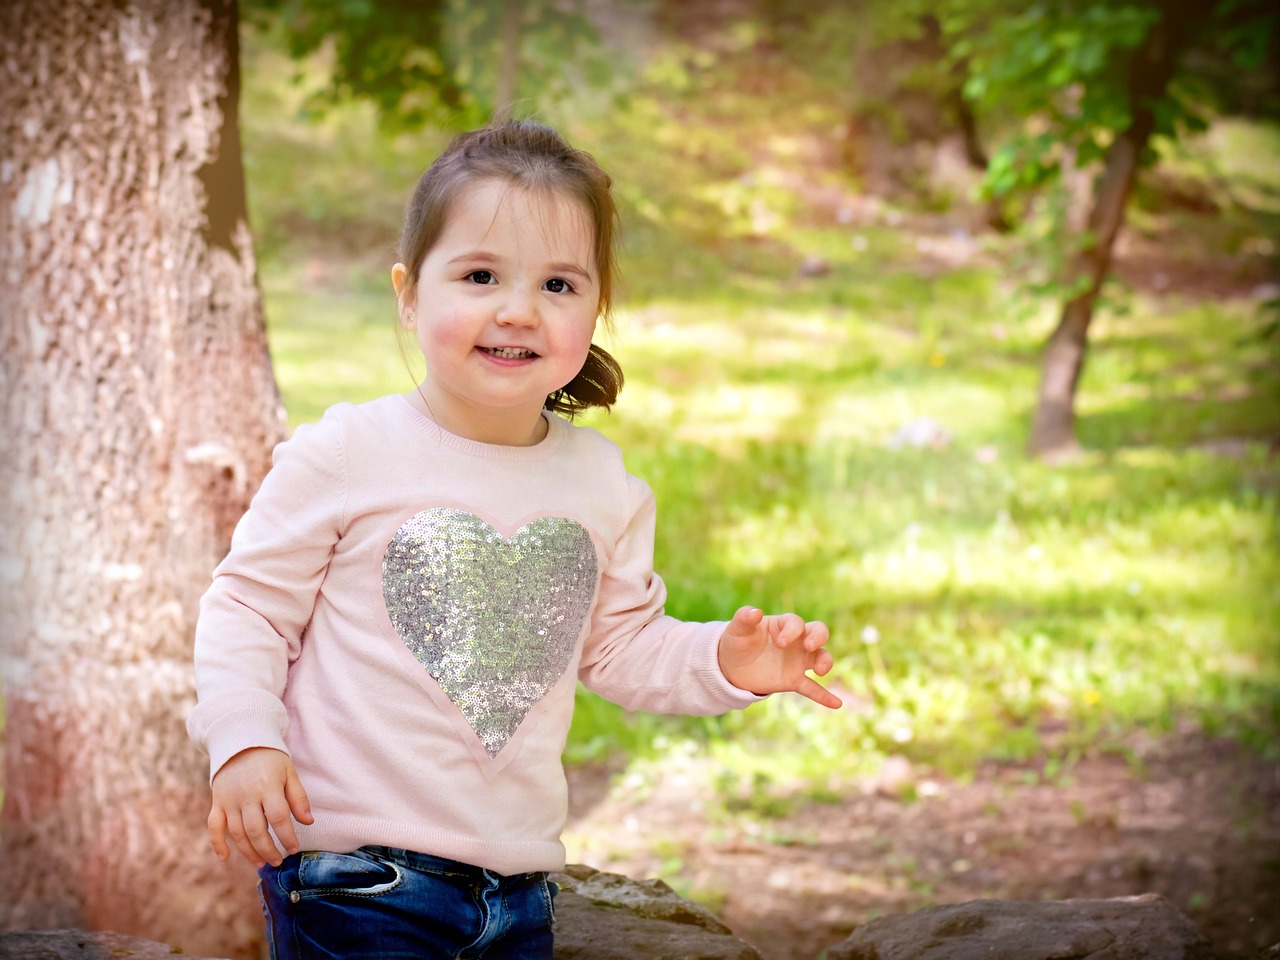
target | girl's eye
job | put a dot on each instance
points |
(480, 276)
(556, 285)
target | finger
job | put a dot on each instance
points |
(218, 833)
(816, 635)
(790, 629)
(821, 662)
(299, 803)
(819, 694)
(277, 812)
(235, 827)
(260, 841)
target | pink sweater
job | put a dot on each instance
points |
(407, 612)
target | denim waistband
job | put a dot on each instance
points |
(429, 863)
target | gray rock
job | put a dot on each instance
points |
(1125, 928)
(649, 899)
(606, 916)
(78, 945)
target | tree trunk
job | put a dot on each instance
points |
(1053, 432)
(139, 414)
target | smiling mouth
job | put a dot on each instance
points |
(509, 353)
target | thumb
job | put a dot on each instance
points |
(745, 620)
(299, 804)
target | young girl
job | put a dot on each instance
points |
(387, 657)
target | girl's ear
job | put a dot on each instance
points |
(400, 283)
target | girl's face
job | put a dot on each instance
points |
(504, 309)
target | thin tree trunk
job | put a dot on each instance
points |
(504, 98)
(1053, 433)
(139, 412)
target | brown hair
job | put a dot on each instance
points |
(535, 158)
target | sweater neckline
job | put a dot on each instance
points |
(430, 429)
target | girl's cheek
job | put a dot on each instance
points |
(451, 326)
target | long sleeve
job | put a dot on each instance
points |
(254, 614)
(635, 654)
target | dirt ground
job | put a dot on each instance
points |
(1194, 819)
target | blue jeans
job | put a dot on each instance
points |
(379, 902)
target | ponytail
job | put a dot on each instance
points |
(596, 385)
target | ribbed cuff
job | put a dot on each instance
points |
(239, 732)
(706, 664)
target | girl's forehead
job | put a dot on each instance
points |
(555, 216)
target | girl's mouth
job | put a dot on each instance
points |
(509, 353)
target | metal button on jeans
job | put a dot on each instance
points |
(295, 896)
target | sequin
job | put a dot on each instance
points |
(493, 620)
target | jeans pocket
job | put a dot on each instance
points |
(323, 874)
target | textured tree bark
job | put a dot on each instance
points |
(139, 414)
(1053, 429)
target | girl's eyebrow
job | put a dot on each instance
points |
(476, 256)
(569, 268)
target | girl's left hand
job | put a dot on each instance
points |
(775, 654)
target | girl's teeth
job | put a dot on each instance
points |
(510, 353)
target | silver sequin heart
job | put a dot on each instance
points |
(494, 621)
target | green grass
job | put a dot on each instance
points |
(982, 605)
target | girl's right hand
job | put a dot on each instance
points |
(256, 787)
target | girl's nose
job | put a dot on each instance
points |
(518, 309)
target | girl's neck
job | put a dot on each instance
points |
(505, 428)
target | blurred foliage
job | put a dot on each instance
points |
(437, 61)
(1068, 71)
